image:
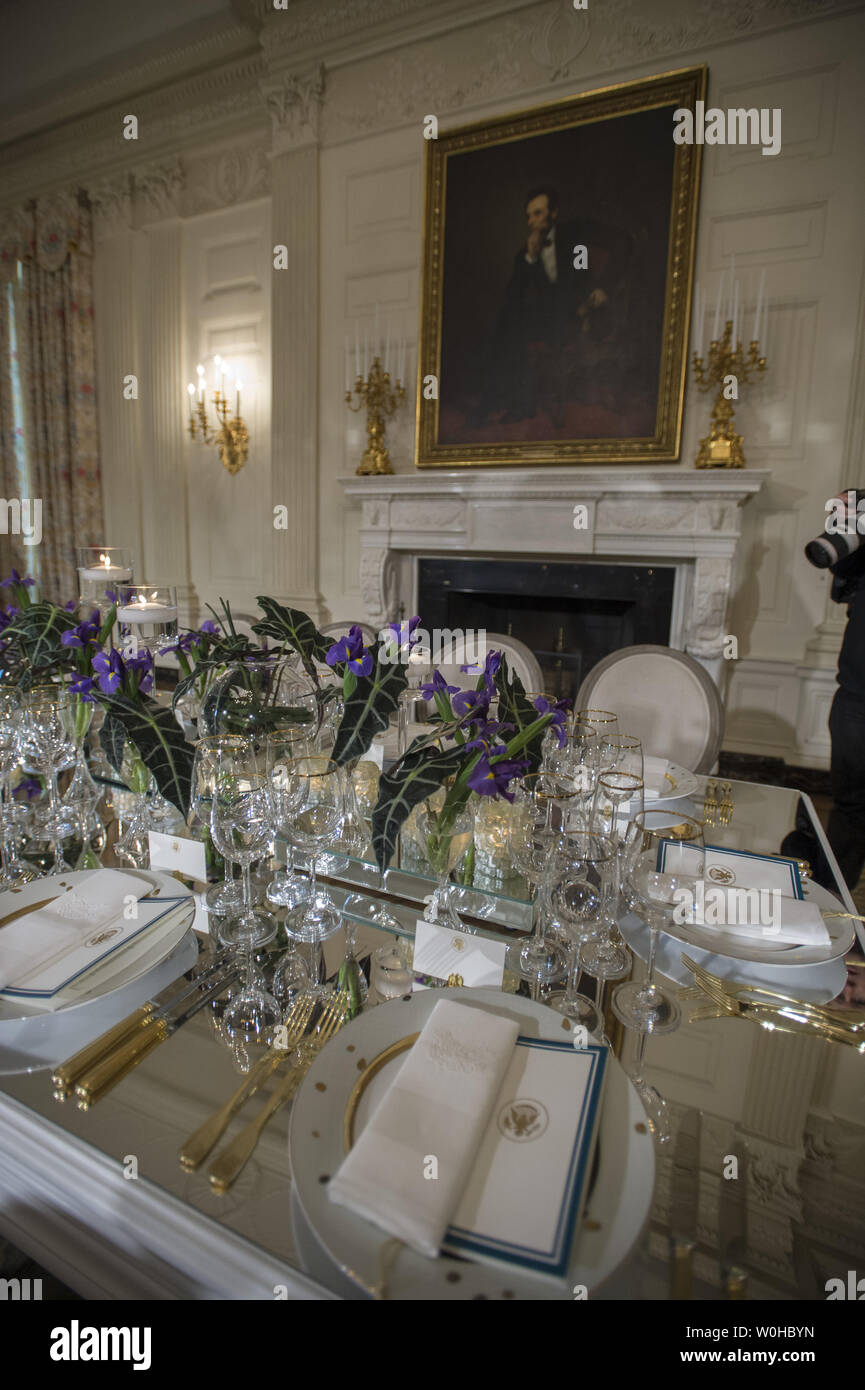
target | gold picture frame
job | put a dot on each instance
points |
(578, 377)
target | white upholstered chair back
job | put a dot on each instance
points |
(521, 661)
(336, 630)
(665, 698)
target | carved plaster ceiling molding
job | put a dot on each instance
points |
(294, 101)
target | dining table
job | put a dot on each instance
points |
(99, 1198)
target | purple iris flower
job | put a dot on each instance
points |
(111, 595)
(491, 669)
(491, 779)
(558, 712)
(83, 686)
(485, 732)
(82, 635)
(437, 686)
(143, 662)
(71, 605)
(109, 671)
(184, 643)
(29, 787)
(351, 651)
(210, 627)
(472, 701)
(15, 578)
(403, 632)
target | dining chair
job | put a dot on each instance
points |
(520, 658)
(341, 629)
(664, 697)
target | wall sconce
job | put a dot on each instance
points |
(230, 435)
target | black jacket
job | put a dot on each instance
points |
(848, 586)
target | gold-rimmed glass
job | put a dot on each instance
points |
(663, 857)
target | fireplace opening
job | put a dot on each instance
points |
(569, 614)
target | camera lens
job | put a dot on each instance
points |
(821, 553)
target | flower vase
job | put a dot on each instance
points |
(447, 834)
(133, 847)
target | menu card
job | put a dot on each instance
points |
(528, 1185)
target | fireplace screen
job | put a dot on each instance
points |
(569, 614)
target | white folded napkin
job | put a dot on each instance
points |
(438, 1106)
(771, 918)
(41, 938)
(655, 784)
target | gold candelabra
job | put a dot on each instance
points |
(230, 435)
(722, 446)
(381, 402)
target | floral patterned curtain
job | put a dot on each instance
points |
(49, 440)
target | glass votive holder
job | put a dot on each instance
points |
(146, 616)
(414, 719)
(102, 569)
(391, 971)
(493, 820)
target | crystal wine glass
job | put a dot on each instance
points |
(47, 741)
(241, 820)
(227, 896)
(664, 858)
(11, 717)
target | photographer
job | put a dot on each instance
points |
(842, 550)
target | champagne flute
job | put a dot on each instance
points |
(581, 903)
(542, 803)
(664, 857)
(316, 791)
(618, 796)
(282, 747)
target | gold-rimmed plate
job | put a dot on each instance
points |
(343, 1251)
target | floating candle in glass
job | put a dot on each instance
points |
(147, 616)
(102, 568)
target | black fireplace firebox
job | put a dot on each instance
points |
(569, 614)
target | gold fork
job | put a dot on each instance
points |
(810, 1019)
(234, 1158)
(819, 1013)
(709, 804)
(199, 1144)
(725, 808)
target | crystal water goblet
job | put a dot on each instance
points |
(581, 903)
(47, 741)
(543, 802)
(227, 896)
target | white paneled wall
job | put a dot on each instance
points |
(798, 214)
(227, 283)
(356, 172)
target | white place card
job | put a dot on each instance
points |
(441, 952)
(175, 852)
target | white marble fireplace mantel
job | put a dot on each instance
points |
(682, 516)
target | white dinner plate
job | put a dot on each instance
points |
(778, 954)
(31, 1037)
(616, 1212)
(666, 781)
